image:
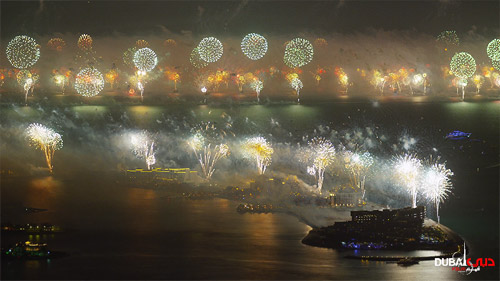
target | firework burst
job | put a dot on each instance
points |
(447, 39)
(320, 43)
(61, 81)
(196, 60)
(208, 148)
(357, 164)
(407, 170)
(257, 86)
(463, 66)
(496, 64)
(45, 139)
(27, 80)
(145, 59)
(254, 46)
(210, 49)
(297, 86)
(143, 147)
(89, 82)
(321, 153)
(260, 150)
(478, 81)
(56, 44)
(128, 56)
(437, 184)
(23, 52)
(85, 42)
(298, 52)
(141, 44)
(493, 50)
(170, 43)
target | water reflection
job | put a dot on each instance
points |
(42, 192)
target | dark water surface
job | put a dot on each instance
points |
(120, 232)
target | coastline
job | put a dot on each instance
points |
(318, 237)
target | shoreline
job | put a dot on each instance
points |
(317, 237)
(168, 99)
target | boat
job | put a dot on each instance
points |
(30, 250)
(458, 135)
(34, 210)
(407, 261)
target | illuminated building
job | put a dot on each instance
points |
(158, 175)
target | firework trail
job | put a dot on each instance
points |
(437, 184)
(143, 147)
(357, 164)
(208, 148)
(45, 139)
(322, 153)
(407, 170)
(260, 150)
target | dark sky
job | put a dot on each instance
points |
(102, 18)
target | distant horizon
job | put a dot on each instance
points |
(223, 18)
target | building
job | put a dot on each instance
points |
(413, 216)
(346, 199)
(158, 175)
(386, 228)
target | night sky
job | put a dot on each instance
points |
(229, 18)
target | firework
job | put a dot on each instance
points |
(56, 44)
(297, 86)
(173, 75)
(240, 81)
(460, 83)
(128, 56)
(140, 87)
(85, 42)
(141, 44)
(343, 78)
(196, 60)
(437, 184)
(145, 59)
(260, 150)
(358, 164)
(496, 78)
(143, 147)
(208, 149)
(23, 52)
(378, 81)
(322, 154)
(448, 38)
(60, 80)
(45, 139)
(478, 81)
(493, 50)
(496, 64)
(89, 82)
(210, 49)
(254, 46)
(420, 79)
(318, 74)
(320, 43)
(170, 43)
(407, 172)
(463, 66)
(257, 86)
(111, 77)
(27, 80)
(298, 52)
(417, 79)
